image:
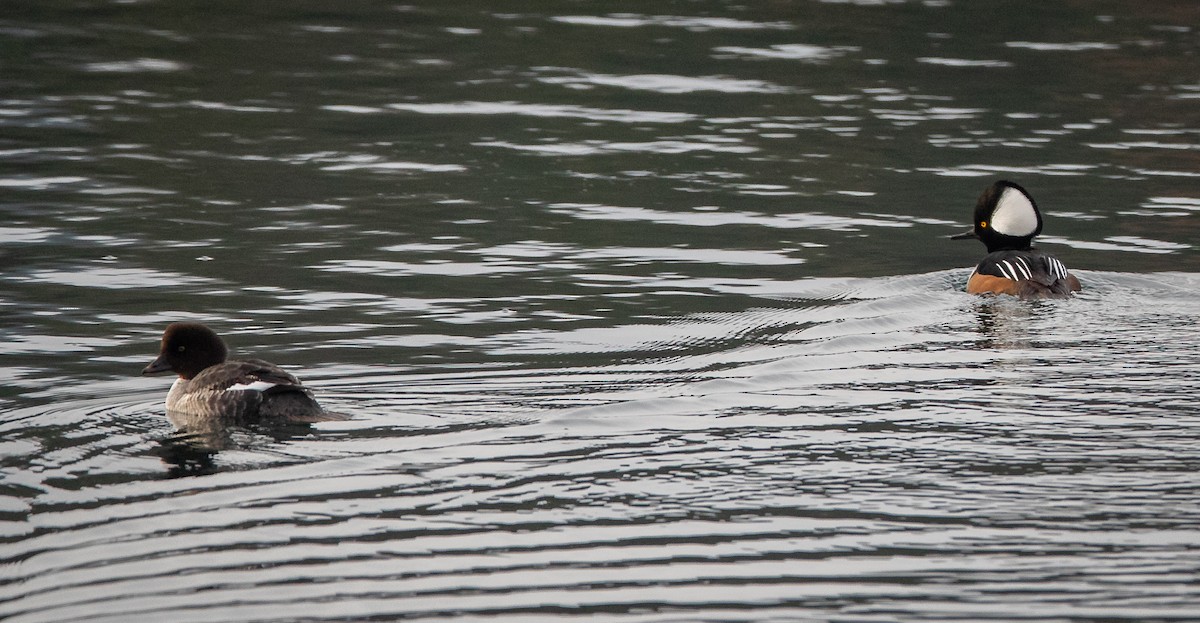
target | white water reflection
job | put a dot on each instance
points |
(110, 277)
(982, 170)
(711, 218)
(788, 51)
(598, 147)
(633, 20)
(136, 66)
(545, 110)
(668, 84)
(39, 183)
(1076, 46)
(1120, 243)
(1168, 206)
(963, 62)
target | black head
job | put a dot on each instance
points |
(187, 349)
(1006, 217)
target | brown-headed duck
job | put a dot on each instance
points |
(213, 387)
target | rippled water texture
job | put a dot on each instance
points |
(642, 311)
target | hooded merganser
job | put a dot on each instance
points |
(1006, 220)
(210, 387)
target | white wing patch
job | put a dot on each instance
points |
(1015, 268)
(1006, 268)
(1057, 268)
(257, 386)
(1019, 268)
(1014, 214)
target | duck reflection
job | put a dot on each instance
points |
(192, 449)
(189, 454)
(1004, 322)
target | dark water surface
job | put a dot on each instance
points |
(643, 311)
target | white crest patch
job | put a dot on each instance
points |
(1014, 214)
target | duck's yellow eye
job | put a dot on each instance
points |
(983, 224)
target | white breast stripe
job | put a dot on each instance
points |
(257, 386)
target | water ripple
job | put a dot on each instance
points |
(788, 51)
(140, 65)
(963, 62)
(668, 84)
(715, 219)
(1077, 46)
(858, 426)
(695, 23)
(598, 147)
(545, 110)
(110, 277)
